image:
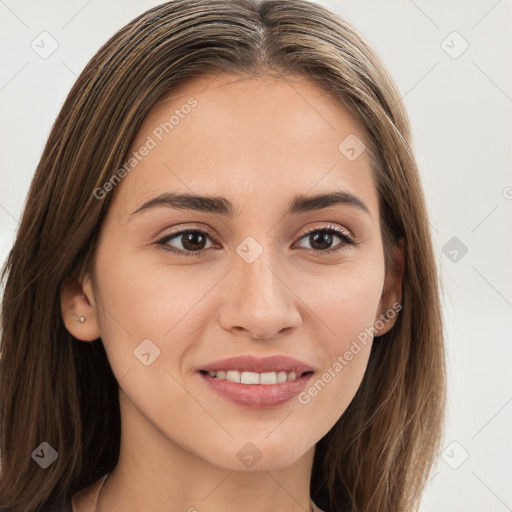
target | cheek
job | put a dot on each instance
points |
(140, 300)
(347, 301)
(149, 320)
(345, 310)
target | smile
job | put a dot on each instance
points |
(252, 378)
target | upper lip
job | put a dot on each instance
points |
(276, 363)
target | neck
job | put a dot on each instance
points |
(154, 473)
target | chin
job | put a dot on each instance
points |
(260, 455)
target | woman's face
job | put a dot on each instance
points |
(263, 273)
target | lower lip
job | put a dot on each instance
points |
(257, 396)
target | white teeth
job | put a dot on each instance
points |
(233, 376)
(282, 377)
(250, 378)
(268, 378)
(254, 377)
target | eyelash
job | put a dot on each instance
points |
(346, 240)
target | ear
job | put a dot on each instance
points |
(390, 301)
(78, 309)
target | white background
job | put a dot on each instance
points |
(460, 109)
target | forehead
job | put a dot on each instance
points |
(230, 135)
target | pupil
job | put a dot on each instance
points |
(193, 241)
(317, 238)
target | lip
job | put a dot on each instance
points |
(246, 363)
(257, 396)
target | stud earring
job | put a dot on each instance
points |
(80, 319)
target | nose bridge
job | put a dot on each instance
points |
(254, 268)
(258, 274)
(257, 299)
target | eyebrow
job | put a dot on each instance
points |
(221, 206)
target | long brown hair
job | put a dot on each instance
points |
(57, 390)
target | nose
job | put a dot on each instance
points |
(258, 301)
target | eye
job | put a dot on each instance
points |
(320, 238)
(192, 242)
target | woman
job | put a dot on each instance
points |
(223, 294)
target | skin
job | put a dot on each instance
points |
(257, 142)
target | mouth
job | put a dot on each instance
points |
(257, 383)
(255, 378)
